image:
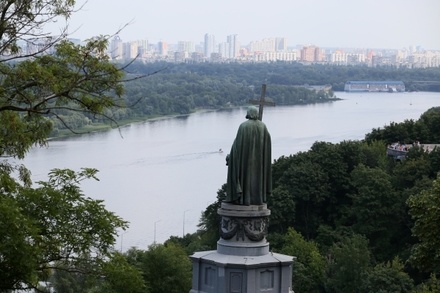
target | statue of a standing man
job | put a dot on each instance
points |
(250, 163)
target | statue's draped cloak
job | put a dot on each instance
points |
(249, 180)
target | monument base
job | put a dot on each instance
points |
(214, 272)
(242, 262)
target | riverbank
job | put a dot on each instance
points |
(98, 127)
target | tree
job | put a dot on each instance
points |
(53, 225)
(118, 277)
(424, 208)
(121, 277)
(166, 268)
(301, 189)
(57, 75)
(349, 260)
(377, 210)
(432, 285)
(387, 277)
(309, 267)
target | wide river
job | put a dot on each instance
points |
(160, 175)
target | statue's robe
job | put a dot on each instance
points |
(249, 180)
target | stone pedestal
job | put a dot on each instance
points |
(242, 262)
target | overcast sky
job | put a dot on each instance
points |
(390, 24)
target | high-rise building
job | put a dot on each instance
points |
(312, 54)
(223, 50)
(209, 45)
(130, 50)
(233, 46)
(162, 48)
(265, 45)
(280, 44)
(116, 48)
(186, 46)
(142, 47)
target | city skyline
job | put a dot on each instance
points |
(391, 24)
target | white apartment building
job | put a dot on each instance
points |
(274, 56)
(186, 46)
(342, 58)
(265, 45)
(233, 46)
(130, 50)
(425, 59)
(115, 51)
(209, 45)
(268, 45)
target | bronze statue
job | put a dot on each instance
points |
(249, 163)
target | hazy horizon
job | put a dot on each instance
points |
(389, 24)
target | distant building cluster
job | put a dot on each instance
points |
(268, 50)
(265, 50)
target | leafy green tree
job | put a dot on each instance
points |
(73, 78)
(304, 186)
(121, 277)
(377, 210)
(424, 208)
(282, 206)
(432, 285)
(388, 277)
(165, 268)
(57, 75)
(118, 276)
(309, 267)
(54, 224)
(349, 260)
(431, 120)
(410, 171)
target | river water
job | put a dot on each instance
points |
(160, 175)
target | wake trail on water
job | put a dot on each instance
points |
(160, 160)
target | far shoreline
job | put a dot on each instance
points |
(93, 128)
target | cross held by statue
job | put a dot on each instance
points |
(262, 102)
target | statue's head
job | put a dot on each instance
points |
(252, 113)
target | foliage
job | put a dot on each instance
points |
(424, 130)
(377, 209)
(309, 267)
(198, 241)
(387, 277)
(74, 79)
(424, 208)
(52, 225)
(432, 285)
(117, 276)
(165, 268)
(21, 20)
(52, 78)
(349, 261)
(210, 221)
(121, 277)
